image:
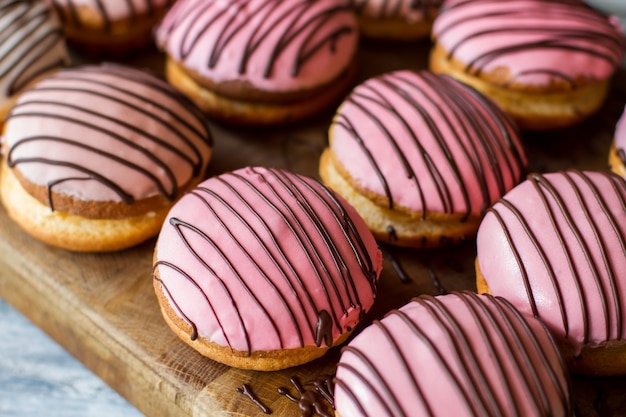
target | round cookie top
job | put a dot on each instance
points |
(106, 133)
(427, 143)
(31, 43)
(555, 246)
(527, 42)
(460, 354)
(261, 259)
(108, 11)
(271, 45)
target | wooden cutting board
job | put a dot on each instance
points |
(102, 309)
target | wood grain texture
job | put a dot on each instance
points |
(102, 309)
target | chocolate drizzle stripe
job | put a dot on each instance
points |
(451, 102)
(460, 342)
(194, 329)
(507, 355)
(127, 198)
(246, 390)
(396, 352)
(475, 114)
(548, 268)
(169, 194)
(447, 363)
(33, 34)
(314, 251)
(596, 270)
(381, 389)
(188, 278)
(230, 265)
(404, 163)
(144, 79)
(605, 45)
(296, 229)
(226, 261)
(509, 313)
(304, 24)
(45, 45)
(508, 132)
(329, 245)
(284, 272)
(342, 121)
(195, 160)
(309, 51)
(432, 83)
(542, 184)
(267, 277)
(201, 133)
(349, 230)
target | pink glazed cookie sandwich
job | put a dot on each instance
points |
(421, 157)
(460, 355)
(405, 20)
(110, 26)
(260, 62)
(548, 63)
(31, 46)
(264, 269)
(617, 153)
(555, 247)
(95, 156)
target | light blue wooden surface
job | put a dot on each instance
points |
(39, 378)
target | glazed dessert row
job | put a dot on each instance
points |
(273, 62)
(261, 268)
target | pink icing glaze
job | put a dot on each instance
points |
(452, 355)
(428, 143)
(562, 255)
(111, 10)
(409, 10)
(31, 43)
(69, 129)
(620, 132)
(253, 257)
(305, 43)
(531, 38)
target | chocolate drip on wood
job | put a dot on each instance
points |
(246, 390)
(436, 282)
(390, 253)
(310, 402)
